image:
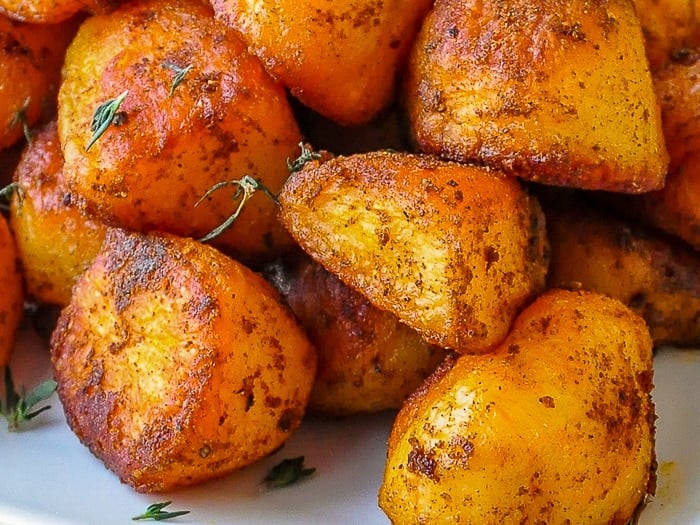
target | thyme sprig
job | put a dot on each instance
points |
(287, 472)
(19, 407)
(105, 115)
(245, 189)
(20, 118)
(179, 77)
(6, 195)
(155, 512)
(306, 155)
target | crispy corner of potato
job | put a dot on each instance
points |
(12, 302)
(454, 251)
(176, 364)
(557, 423)
(519, 86)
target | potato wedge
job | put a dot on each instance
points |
(556, 426)
(340, 58)
(453, 251)
(368, 360)
(173, 141)
(176, 364)
(31, 56)
(55, 241)
(552, 91)
(655, 275)
(52, 11)
(12, 301)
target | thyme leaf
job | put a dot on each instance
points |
(245, 188)
(19, 407)
(155, 512)
(6, 195)
(105, 115)
(286, 473)
(306, 155)
(180, 73)
(20, 117)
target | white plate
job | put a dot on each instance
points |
(47, 477)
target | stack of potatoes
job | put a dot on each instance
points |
(457, 250)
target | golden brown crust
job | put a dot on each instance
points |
(12, 300)
(226, 119)
(557, 424)
(553, 91)
(454, 251)
(339, 58)
(367, 359)
(176, 364)
(55, 241)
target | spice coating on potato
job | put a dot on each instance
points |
(170, 144)
(553, 91)
(12, 302)
(52, 11)
(368, 360)
(175, 364)
(339, 58)
(556, 426)
(453, 251)
(55, 241)
(31, 56)
(655, 275)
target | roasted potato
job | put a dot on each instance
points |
(52, 11)
(176, 364)
(12, 302)
(555, 426)
(31, 56)
(453, 251)
(669, 26)
(655, 275)
(178, 131)
(340, 58)
(55, 241)
(552, 91)
(368, 360)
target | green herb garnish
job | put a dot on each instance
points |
(155, 512)
(306, 155)
(19, 407)
(287, 473)
(105, 115)
(180, 73)
(20, 117)
(6, 195)
(245, 188)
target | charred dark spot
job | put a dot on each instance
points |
(247, 325)
(491, 255)
(286, 420)
(273, 401)
(420, 462)
(453, 32)
(513, 349)
(547, 401)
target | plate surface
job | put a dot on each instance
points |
(49, 478)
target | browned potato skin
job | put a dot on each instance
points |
(176, 364)
(519, 86)
(55, 241)
(227, 118)
(368, 360)
(31, 56)
(675, 208)
(556, 426)
(12, 302)
(656, 276)
(52, 11)
(453, 251)
(668, 26)
(339, 58)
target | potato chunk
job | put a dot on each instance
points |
(453, 251)
(367, 359)
(55, 241)
(52, 11)
(172, 141)
(12, 301)
(339, 58)
(553, 91)
(556, 426)
(176, 364)
(656, 276)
